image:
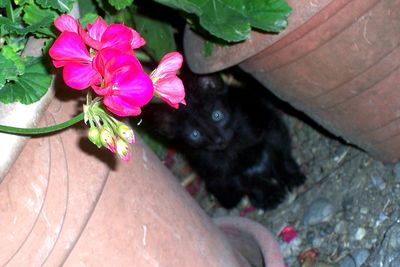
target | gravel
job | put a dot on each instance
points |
(346, 212)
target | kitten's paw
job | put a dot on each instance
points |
(298, 180)
(268, 199)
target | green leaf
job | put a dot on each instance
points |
(3, 3)
(30, 86)
(268, 15)
(224, 22)
(88, 18)
(190, 6)
(33, 15)
(60, 5)
(158, 35)
(7, 26)
(86, 6)
(10, 54)
(120, 4)
(231, 20)
(8, 70)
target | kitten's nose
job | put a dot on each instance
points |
(220, 143)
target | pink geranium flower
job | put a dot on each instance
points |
(166, 84)
(69, 51)
(126, 87)
(67, 23)
(99, 35)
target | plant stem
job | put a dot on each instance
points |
(43, 130)
(9, 11)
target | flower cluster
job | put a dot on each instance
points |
(107, 131)
(110, 66)
(102, 57)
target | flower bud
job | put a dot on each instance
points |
(94, 136)
(108, 140)
(126, 133)
(123, 150)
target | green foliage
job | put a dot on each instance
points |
(62, 6)
(29, 87)
(158, 35)
(8, 70)
(231, 20)
(33, 15)
(25, 80)
(120, 4)
(18, 64)
(88, 18)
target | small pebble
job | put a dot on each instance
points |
(360, 256)
(396, 172)
(320, 210)
(364, 210)
(347, 262)
(326, 229)
(360, 234)
(340, 228)
(378, 181)
(347, 203)
(387, 253)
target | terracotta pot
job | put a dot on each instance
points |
(338, 61)
(20, 115)
(64, 202)
(251, 240)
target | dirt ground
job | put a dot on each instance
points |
(345, 215)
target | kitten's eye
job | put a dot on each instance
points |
(217, 115)
(195, 135)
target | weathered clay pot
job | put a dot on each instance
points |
(20, 115)
(338, 61)
(64, 202)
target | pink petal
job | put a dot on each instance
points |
(69, 47)
(67, 23)
(134, 88)
(110, 60)
(170, 63)
(132, 92)
(114, 106)
(171, 90)
(137, 40)
(95, 31)
(118, 36)
(102, 90)
(80, 76)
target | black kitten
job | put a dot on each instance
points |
(233, 139)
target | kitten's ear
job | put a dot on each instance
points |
(211, 83)
(161, 119)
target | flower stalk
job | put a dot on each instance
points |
(42, 130)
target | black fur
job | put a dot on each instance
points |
(233, 138)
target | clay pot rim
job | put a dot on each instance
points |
(267, 244)
(223, 56)
(305, 15)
